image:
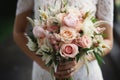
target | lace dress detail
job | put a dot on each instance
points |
(24, 5)
(103, 9)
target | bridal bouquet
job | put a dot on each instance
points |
(66, 33)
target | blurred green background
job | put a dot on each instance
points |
(7, 14)
(17, 66)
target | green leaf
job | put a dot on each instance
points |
(47, 52)
(56, 23)
(49, 63)
(94, 19)
(86, 49)
(104, 35)
(87, 68)
(78, 57)
(32, 37)
(101, 52)
(65, 2)
(98, 58)
(70, 78)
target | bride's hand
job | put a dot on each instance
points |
(67, 69)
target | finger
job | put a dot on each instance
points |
(64, 74)
(69, 75)
(66, 66)
(68, 63)
(60, 74)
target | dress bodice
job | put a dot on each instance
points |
(84, 5)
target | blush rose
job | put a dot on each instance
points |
(71, 20)
(69, 50)
(84, 41)
(38, 32)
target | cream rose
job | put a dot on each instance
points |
(68, 50)
(60, 16)
(67, 34)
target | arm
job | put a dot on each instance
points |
(20, 26)
(105, 12)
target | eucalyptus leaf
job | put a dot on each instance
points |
(46, 52)
(65, 2)
(31, 21)
(49, 63)
(32, 38)
(87, 67)
(31, 45)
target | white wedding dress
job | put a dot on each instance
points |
(103, 9)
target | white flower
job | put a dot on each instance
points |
(98, 38)
(46, 58)
(88, 27)
(60, 17)
(45, 46)
(37, 22)
(31, 45)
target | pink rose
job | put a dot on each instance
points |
(52, 39)
(68, 50)
(57, 36)
(56, 47)
(39, 32)
(84, 41)
(99, 30)
(52, 28)
(51, 24)
(71, 20)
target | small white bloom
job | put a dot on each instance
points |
(37, 22)
(88, 27)
(98, 38)
(31, 45)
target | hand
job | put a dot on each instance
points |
(67, 69)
